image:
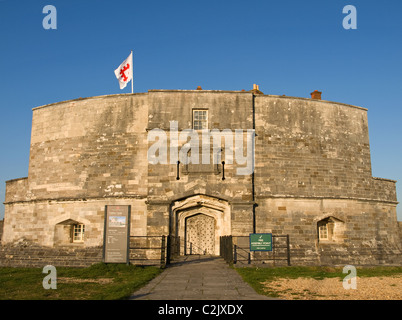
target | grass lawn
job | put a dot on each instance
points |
(98, 282)
(256, 276)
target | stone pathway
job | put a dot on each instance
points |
(198, 278)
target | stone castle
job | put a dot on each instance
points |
(311, 176)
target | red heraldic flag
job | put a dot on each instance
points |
(124, 73)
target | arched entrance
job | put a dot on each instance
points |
(200, 221)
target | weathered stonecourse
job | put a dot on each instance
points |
(201, 164)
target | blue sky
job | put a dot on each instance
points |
(287, 47)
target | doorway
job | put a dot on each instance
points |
(200, 220)
(200, 234)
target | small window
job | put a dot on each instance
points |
(200, 119)
(331, 230)
(78, 232)
(323, 230)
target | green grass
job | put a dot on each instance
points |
(257, 276)
(26, 283)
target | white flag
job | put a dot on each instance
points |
(124, 73)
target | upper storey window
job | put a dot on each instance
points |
(200, 119)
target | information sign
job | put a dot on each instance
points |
(116, 234)
(260, 241)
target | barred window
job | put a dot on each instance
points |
(200, 119)
(78, 232)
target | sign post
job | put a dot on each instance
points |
(116, 234)
(260, 241)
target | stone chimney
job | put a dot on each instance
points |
(256, 89)
(316, 95)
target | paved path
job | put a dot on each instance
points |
(198, 278)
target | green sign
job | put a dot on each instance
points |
(260, 241)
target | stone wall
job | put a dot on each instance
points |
(400, 230)
(89, 148)
(1, 228)
(313, 162)
(85, 154)
(310, 148)
(43, 221)
(17, 190)
(24, 253)
(365, 233)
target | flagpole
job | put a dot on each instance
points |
(132, 72)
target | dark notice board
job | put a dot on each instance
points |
(116, 234)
